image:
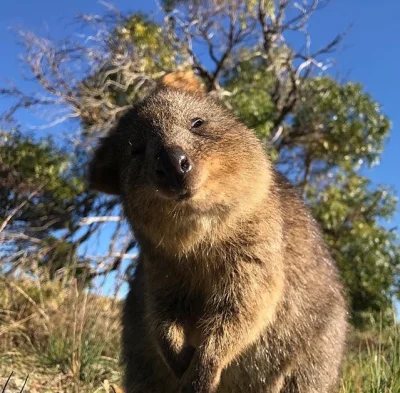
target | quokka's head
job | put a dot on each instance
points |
(179, 153)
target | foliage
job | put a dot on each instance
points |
(251, 99)
(339, 123)
(28, 166)
(41, 191)
(350, 212)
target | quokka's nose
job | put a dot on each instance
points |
(172, 166)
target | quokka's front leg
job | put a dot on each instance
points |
(233, 320)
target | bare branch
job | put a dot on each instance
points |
(16, 210)
(91, 220)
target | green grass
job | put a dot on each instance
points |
(373, 362)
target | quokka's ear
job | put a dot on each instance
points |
(103, 169)
(183, 80)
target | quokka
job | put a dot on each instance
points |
(234, 289)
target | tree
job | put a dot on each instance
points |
(320, 132)
(350, 211)
(42, 202)
(37, 195)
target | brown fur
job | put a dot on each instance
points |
(182, 80)
(234, 290)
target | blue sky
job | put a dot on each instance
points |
(370, 53)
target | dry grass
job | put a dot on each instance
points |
(66, 339)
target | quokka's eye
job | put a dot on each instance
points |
(197, 122)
